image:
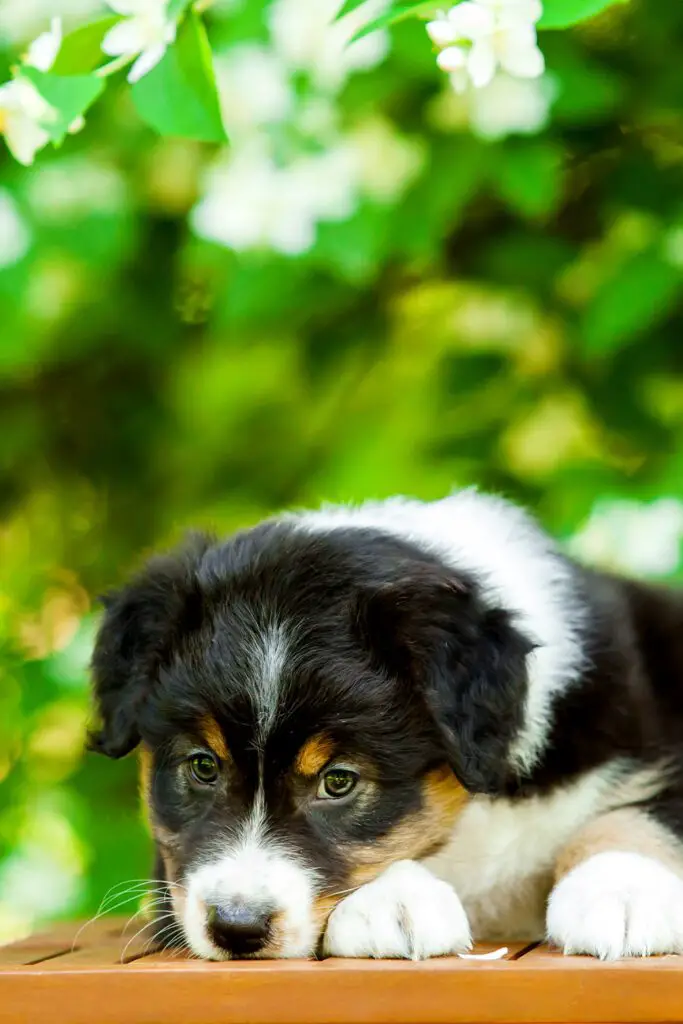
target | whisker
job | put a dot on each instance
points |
(132, 939)
(342, 892)
(128, 890)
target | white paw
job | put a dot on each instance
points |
(615, 905)
(406, 912)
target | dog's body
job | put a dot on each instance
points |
(381, 731)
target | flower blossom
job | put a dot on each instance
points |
(145, 33)
(251, 202)
(23, 111)
(308, 36)
(477, 37)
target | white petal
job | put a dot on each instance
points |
(29, 102)
(518, 13)
(460, 81)
(441, 32)
(123, 6)
(9, 99)
(77, 125)
(24, 138)
(521, 57)
(481, 64)
(453, 58)
(170, 32)
(518, 37)
(470, 21)
(147, 60)
(128, 37)
(42, 53)
(292, 234)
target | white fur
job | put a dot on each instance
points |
(615, 905)
(516, 567)
(268, 656)
(501, 853)
(256, 872)
(406, 912)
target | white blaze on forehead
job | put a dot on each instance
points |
(515, 567)
(267, 660)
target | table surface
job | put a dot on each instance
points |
(101, 973)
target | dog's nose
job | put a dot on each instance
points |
(239, 930)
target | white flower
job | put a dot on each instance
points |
(43, 51)
(23, 112)
(510, 106)
(477, 37)
(146, 33)
(307, 37)
(254, 88)
(250, 202)
(15, 238)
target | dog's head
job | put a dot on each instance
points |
(310, 707)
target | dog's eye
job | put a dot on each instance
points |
(336, 783)
(204, 769)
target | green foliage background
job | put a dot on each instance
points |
(512, 318)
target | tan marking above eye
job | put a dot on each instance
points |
(314, 755)
(214, 738)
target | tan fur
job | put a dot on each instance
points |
(314, 755)
(323, 907)
(145, 775)
(414, 837)
(214, 738)
(418, 835)
(629, 830)
(145, 765)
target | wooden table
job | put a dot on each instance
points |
(98, 977)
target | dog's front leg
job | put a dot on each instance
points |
(619, 889)
(406, 912)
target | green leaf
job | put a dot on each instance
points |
(588, 92)
(563, 13)
(70, 96)
(399, 12)
(347, 7)
(177, 7)
(81, 50)
(529, 177)
(642, 293)
(178, 97)
(432, 208)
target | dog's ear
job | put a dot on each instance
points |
(468, 661)
(141, 623)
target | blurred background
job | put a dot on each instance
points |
(380, 287)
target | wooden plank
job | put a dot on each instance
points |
(115, 950)
(176, 958)
(535, 988)
(59, 940)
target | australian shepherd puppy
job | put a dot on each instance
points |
(387, 730)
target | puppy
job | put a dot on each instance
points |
(387, 730)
